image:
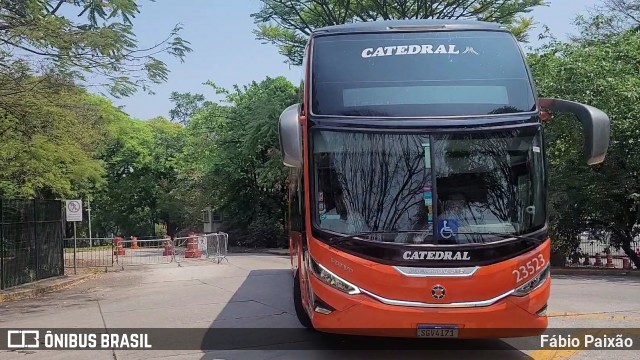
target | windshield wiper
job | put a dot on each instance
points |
(503, 235)
(335, 240)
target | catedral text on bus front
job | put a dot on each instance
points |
(418, 181)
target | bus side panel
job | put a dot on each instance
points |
(294, 250)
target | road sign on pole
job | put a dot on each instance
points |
(74, 210)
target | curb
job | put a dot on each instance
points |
(41, 287)
(606, 272)
(276, 252)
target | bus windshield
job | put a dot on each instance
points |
(452, 188)
(420, 74)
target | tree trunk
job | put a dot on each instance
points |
(626, 246)
(172, 228)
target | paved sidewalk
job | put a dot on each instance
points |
(253, 290)
(44, 286)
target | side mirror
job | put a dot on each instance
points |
(595, 124)
(290, 133)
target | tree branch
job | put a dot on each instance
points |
(53, 12)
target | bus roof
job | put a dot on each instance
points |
(408, 25)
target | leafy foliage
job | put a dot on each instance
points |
(186, 105)
(288, 23)
(234, 151)
(142, 163)
(49, 137)
(40, 36)
(604, 75)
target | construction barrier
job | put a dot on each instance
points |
(210, 246)
(598, 260)
(103, 252)
(610, 261)
(119, 248)
(169, 250)
(192, 247)
(217, 246)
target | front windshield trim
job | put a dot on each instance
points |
(533, 112)
(326, 234)
(541, 234)
(309, 98)
(505, 238)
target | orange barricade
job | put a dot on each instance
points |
(610, 261)
(134, 242)
(117, 243)
(598, 260)
(168, 246)
(192, 247)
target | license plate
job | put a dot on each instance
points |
(437, 331)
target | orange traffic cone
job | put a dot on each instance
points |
(192, 247)
(119, 249)
(610, 261)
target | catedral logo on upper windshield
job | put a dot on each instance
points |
(436, 255)
(416, 49)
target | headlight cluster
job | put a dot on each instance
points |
(533, 284)
(332, 279)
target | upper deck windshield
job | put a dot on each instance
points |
(419, 74)
(449, 188)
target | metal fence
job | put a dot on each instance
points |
(211, 246)
(144, 252)
(593, 253)
(31, 233)
(106, 252)
(85, 252)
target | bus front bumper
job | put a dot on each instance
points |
(362, 314)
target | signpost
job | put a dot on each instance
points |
(74, 214)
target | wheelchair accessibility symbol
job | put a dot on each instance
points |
(447, 228)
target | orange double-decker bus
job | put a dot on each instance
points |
(418, 181)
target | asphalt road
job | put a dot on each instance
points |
(254, 291)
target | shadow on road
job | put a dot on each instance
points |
(259, 322)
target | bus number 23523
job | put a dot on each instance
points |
(529, 269)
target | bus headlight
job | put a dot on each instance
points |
(533, 284)
(332, 279)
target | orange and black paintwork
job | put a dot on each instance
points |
(392, 303)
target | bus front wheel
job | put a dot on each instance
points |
(302, 315)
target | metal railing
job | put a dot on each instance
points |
(599, 254)
(85, 252)
(106, 252)
(143, 252)
(211, 246)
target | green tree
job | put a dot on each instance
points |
(72, 39)
(124, 204)
(288, 23)
(142, 189)
(236, 160)
(614, 17)
(49, 139)
(171, 206)
(185, 106)
(606, 196)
